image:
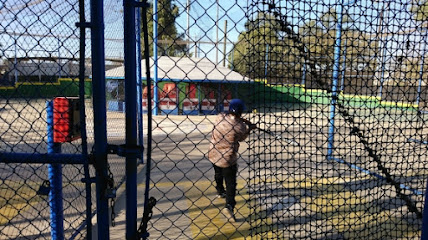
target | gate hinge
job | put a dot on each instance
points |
(126, 150)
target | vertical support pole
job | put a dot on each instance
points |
(219, 102)
(82, 48)
(55, 179)
(59, 58)
(384, 43)
(147, 209)
(421, 70)
(224, 43)
(231, 58)
(336, 69)
(266, 61)
(100, 116)
(155, 58)
(303, 73)
(342, 78)
(139, 84)
(130, 117)
(188, 28)
(424, 235)
(15, 63)
(216, 38)
(177, 97)
(382, 71)
(198, 86)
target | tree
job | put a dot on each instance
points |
(312, 46)
(169, 41)
(263, 51)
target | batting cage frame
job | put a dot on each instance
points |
(213, 119)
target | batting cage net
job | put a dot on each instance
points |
(341, 95)
(337, 92)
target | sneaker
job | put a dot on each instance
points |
(228, 213)
(221, 195)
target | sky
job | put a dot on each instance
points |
(47, 27)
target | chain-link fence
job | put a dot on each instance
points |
(39, 61)
(336, 91)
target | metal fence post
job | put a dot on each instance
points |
(139, 84)
(100, 116)
(82, 54)
(155, 58)
(336, 69)
(55, 179)
(130, 116)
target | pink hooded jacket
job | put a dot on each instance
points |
(228, 131)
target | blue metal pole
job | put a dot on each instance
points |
(342, 78)
(304, 73)
(100, 116)
(421, 71)
(198, 86)
(424, 235)
(130, 117)
(382, 59)
(336, 69)
(155, 57)
(266, 61)
(139, 85)
(55, 180)
(382, 71)
(15, 64)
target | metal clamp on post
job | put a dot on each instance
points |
(143, 4)
(126, 151)
(84, 25)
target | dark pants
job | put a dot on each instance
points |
(229, 176)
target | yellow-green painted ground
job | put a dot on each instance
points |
(15, 198)
(335, 207)
(331, 205)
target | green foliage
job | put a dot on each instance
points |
(170, 43)
(264, 41)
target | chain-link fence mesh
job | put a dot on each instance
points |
(39, 60)
(336, 90)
